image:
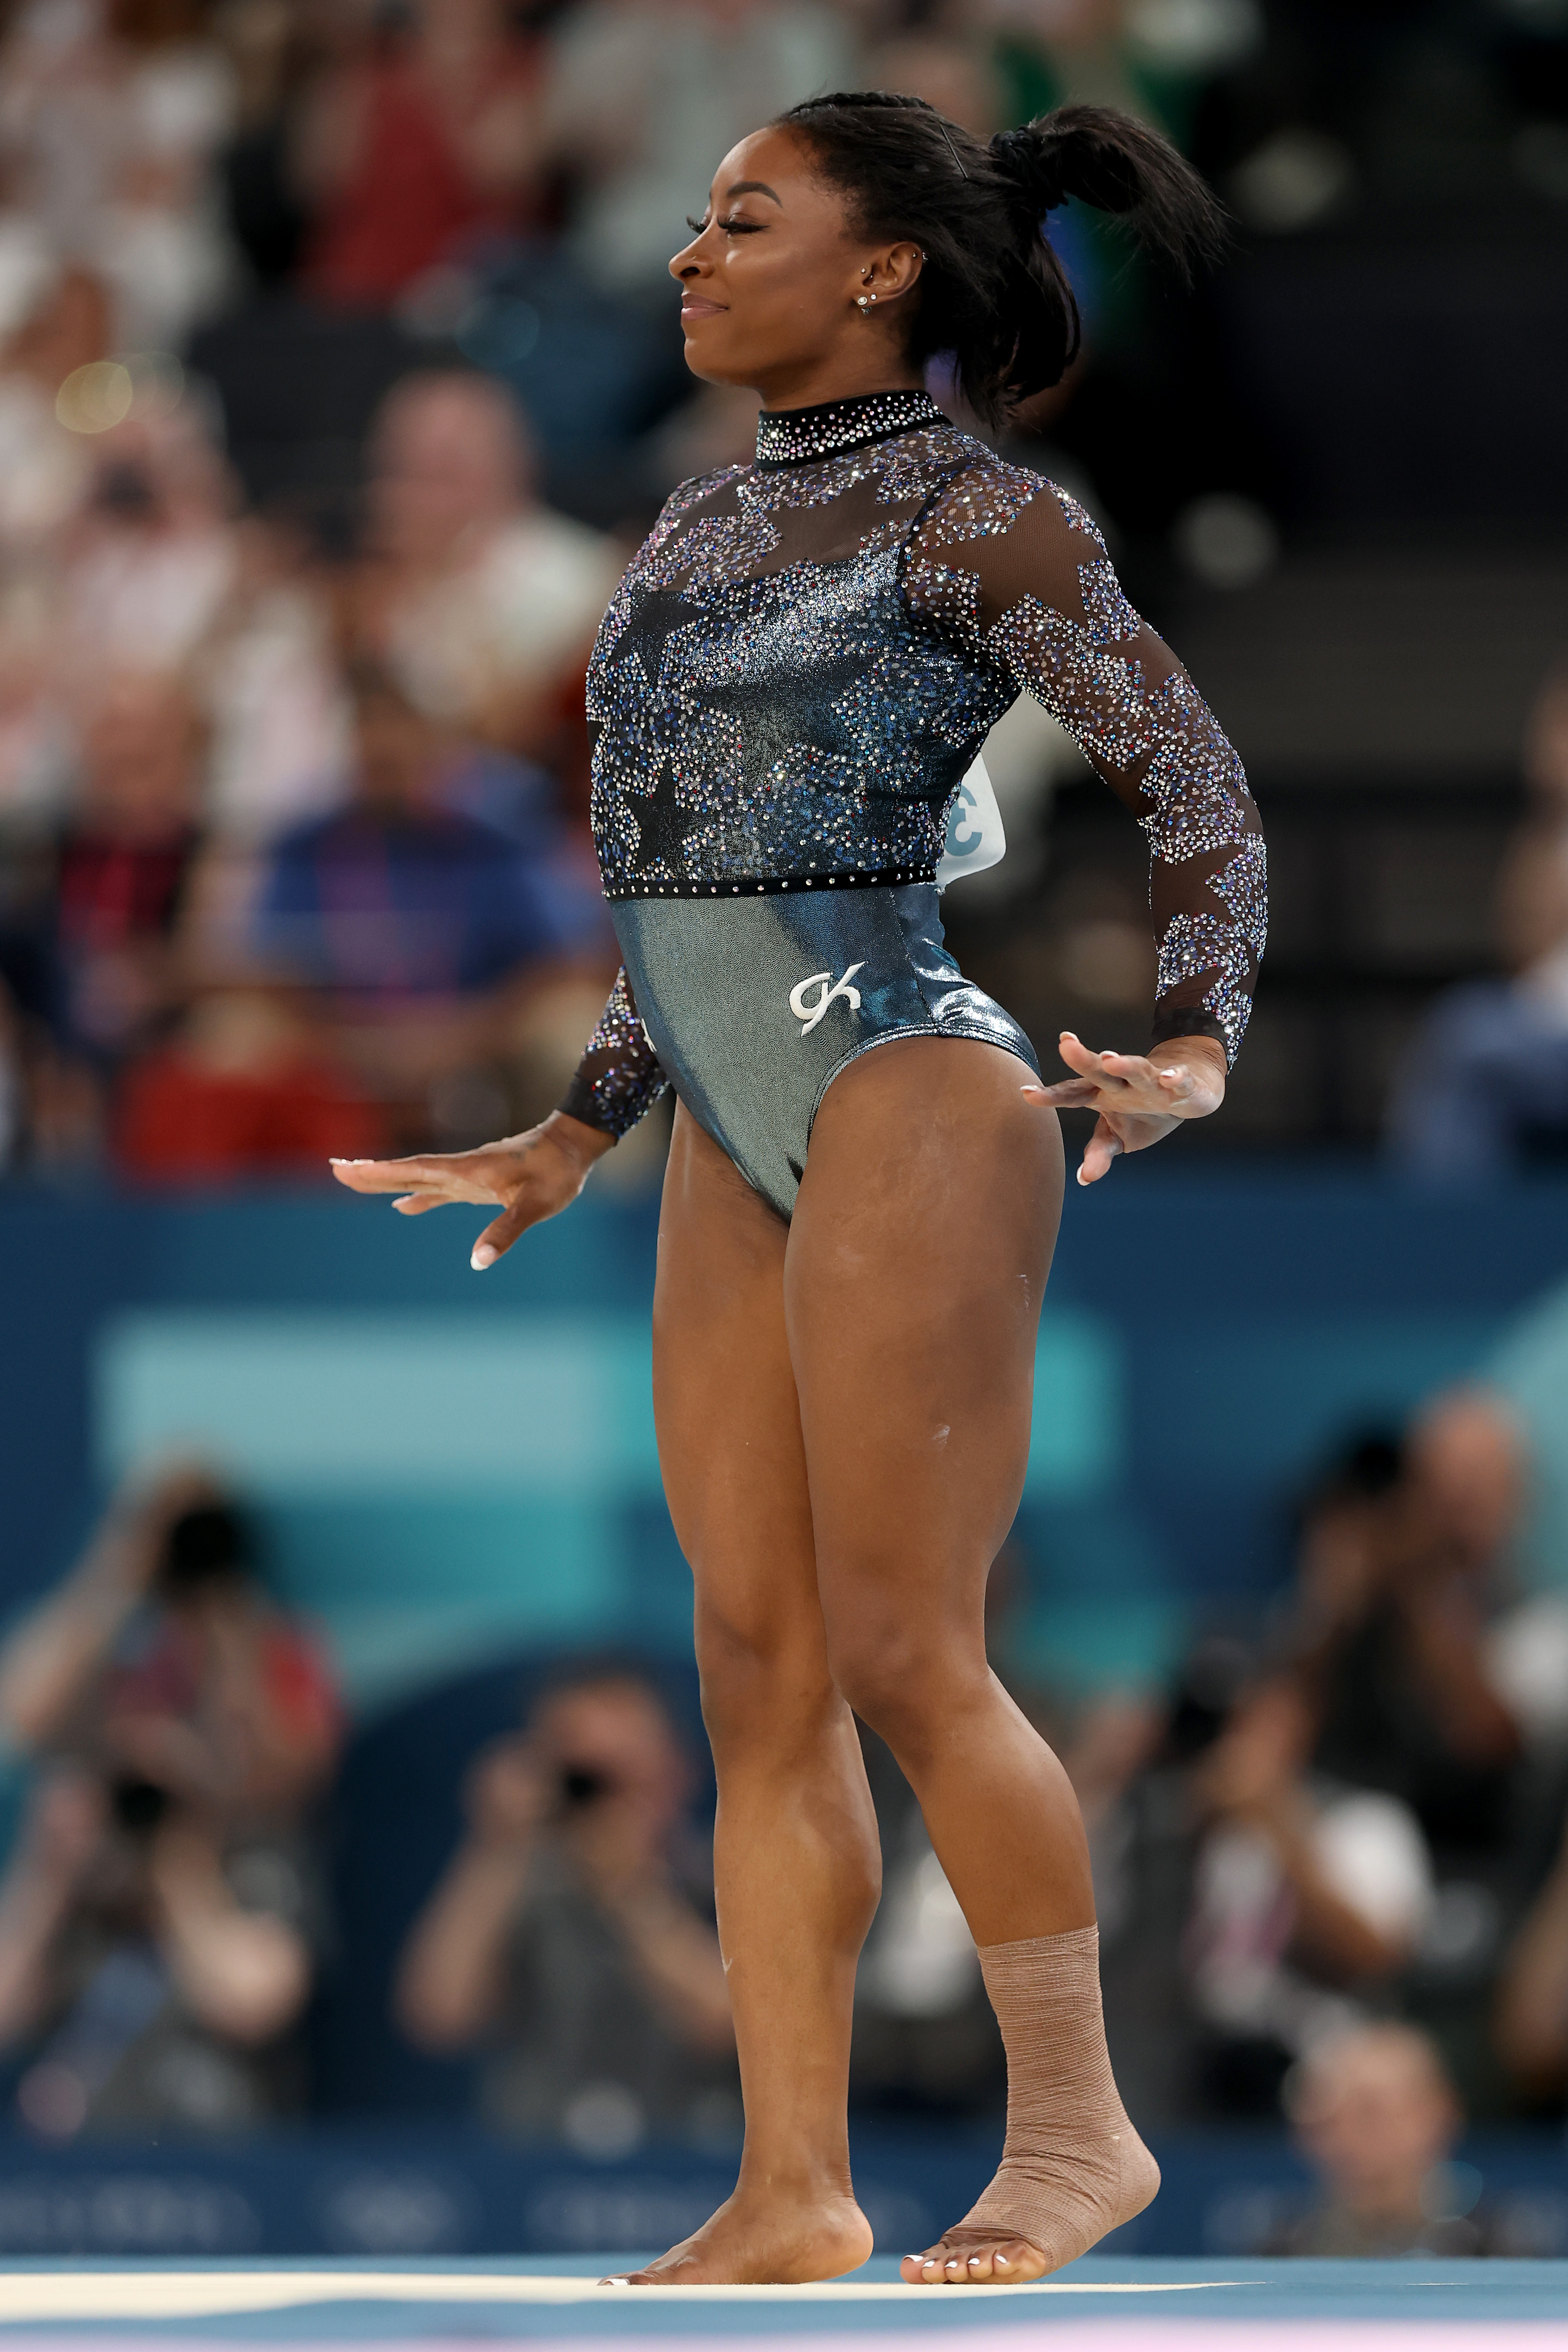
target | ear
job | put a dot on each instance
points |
(893, 271)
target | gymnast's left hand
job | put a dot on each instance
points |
(528, 1177)
(1140, 1097)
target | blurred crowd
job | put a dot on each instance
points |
(1331, 1855)
(338, 371)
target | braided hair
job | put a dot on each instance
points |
(992, 291)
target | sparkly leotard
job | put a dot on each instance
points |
(796, 671)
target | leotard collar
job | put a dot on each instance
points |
(794, 437)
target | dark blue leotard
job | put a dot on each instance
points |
(799, 667)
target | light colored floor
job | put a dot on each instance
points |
(1098, 2305)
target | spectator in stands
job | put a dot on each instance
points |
(420, 143)
(246, 1089)
(267, 674)
(1248, 1906)
(1492, 1459)
(111, 116)
(1396, 1585)
(1308, 1895)
(158, 1917)
(1483, 1090)
(639, 94)
(156, 555)
(423, 928)
(124, 862)
(54, 319)
(572, 1937)
(485, 600)
(1377, 2119)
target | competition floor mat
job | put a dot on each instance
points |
(1100, 2304)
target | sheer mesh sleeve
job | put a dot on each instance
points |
(1017, 570)
(619, 1077)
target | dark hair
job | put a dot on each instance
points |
(992, 291)
(209, 1545)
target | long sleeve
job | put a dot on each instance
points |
(618, 1078)
(1015, 570)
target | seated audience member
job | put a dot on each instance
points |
(124, 862)
(111, 123)
(162, 1622)
(1483, 1090)
(636, 93)
(158, 1917)
(1376, 2117)
(1493, 1461)
(422, 927)
(1396, 1583)
(1308, 1895)
(572, 1937)
(155, 555)
(1248, 1907)
(421, 142)
(484, 600)
(244, 1089)
(56, 317)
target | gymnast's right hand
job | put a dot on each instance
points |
(528, 1177)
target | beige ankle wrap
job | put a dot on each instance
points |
(1072, 2165)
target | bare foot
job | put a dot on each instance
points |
(755, 2241)
(974, 2258)
(1092, 2198)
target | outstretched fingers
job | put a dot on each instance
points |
(429, 1182)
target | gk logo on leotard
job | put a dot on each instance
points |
(809, 1014)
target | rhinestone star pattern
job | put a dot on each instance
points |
(808, 652)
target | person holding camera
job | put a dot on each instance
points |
(159, 1915)
(571, 1936)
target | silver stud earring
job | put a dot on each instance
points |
(863, 302)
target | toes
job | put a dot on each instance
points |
(1016, 2259)
(1008, 2262)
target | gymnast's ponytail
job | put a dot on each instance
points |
(992, 292)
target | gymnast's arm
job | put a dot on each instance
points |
(1017, 572)
(533, 1176)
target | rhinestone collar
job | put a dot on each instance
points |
(793, 437)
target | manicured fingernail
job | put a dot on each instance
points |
(483, 1256)
(1000, 2262)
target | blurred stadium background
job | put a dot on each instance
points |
(338, 375)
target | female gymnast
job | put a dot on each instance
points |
(866, 1172)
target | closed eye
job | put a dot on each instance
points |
(729, 227)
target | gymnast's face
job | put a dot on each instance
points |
(771, 281)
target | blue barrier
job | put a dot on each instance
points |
(1208, 1335)
(430, 2192)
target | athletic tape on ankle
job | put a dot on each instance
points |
(1072, 2166)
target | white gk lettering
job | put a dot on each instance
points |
(808, 1013)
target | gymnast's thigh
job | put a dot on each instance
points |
(725, 1406)
(917, 1262)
